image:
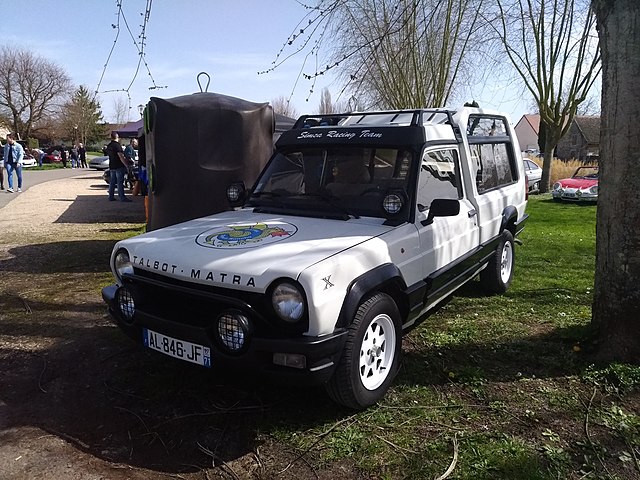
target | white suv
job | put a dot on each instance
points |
(359, 225)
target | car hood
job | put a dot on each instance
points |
(578, 182)
(243, 249)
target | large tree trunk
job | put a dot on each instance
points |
(616, 307)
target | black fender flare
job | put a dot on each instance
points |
(384, 277)
(509, 219)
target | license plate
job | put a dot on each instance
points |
(570, 194)
(181, 349)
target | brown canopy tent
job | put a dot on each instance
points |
(197, 145)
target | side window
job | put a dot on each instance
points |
(494, 168)
(490, 145)
(439, 177)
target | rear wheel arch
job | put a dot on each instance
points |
(509, 219)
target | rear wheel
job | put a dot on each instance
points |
(497, 276)
(371, 356)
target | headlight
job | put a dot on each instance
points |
(235, 193)
(122, 264)
(594, 190)
(392, 203)
(288, 302)
(125, 304)
(557, 186)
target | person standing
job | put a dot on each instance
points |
(130, 157)
(13, 155)
(1, 167)
(82, 153)
(63, 156)
(117, 168)
(73, 154)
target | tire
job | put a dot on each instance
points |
(497, 276)
(371, 356)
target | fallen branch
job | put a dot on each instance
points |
(454, 461)
(41, 374)
(27, 308)
(320, 438)
(397, 447)
(222, 464)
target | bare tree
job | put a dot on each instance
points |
(120, 110)
(405, 53)
(325, 102)
(283, 106)
(31, 88)
(616, 307)
(389, 53)
(591, 106)
(552, 46)
(327, 105)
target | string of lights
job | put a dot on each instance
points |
(139, 43)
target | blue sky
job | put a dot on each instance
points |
(231, 40)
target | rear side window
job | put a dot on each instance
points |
(491, 152)
(494, 169)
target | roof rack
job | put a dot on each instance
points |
(382, 118)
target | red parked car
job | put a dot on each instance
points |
(581, 187)
(52, 156)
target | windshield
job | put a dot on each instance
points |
(587, 173)
(344, 180)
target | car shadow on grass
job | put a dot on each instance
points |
(93, 387)
(81, 256)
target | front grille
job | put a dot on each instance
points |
(199, 305)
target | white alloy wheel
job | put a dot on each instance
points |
(371, 356)
(377, 351)
(506, 262)
(498, 274)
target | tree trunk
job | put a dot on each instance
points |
(549, 148)
(616, 307)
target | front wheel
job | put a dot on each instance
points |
(371, 356)
(497, 276)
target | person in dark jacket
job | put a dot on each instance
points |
(117, 168)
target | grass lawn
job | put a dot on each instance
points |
(500, 387)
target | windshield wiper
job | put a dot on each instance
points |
(271, 193)
(330, 200)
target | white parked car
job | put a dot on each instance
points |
(99, 163)
(534, 174)
(350, 237)
(28, 161)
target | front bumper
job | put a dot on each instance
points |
(574, 195)
(321, 353)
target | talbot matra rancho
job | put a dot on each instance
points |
(358, 226)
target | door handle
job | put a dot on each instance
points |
(472, 213)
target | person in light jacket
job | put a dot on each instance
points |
(13, 155)
(1, 167)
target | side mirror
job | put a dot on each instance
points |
(442, 207)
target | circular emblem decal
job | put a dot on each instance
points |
(246, 235)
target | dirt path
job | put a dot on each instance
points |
(39, 304)
(79, 400)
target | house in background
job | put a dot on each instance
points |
(527, 130)
(582, 141)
